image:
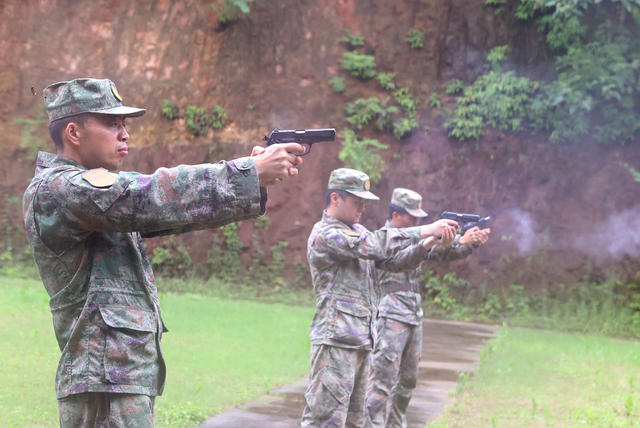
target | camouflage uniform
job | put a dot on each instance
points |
(85, 229)
(397, 352)
(342, 260)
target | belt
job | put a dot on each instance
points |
(394, 287)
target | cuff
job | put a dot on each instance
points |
(251, 198)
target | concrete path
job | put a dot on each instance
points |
(448, 348)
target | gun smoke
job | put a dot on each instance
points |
(522, 228)
(614, 237)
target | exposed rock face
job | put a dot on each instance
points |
(554, 206)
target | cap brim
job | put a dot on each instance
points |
(123, 111)
(416, 213)
(364, 195)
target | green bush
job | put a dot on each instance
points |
(218, 118)
(597, 56)
(172, 260)
(415, 38)
(496, 99)
(359, 65)
(29, 139)
(169, 110)
(434, 101)
(496, 56)
(362, 155)
(386, 80)
(337, 84)
(197, 119)
(454, 87)
(352, 40)
(229, 10)
(408, 103)
(404, 127)
(362, 111)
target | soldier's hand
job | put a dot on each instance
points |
(443, 229)
(429, 242)
(475, 237)
(277, 162)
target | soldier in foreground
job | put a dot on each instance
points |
(398, 349)
(343, 255)
(85, 225)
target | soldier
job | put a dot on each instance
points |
(342, 255)
(397, 352)
(85, 226)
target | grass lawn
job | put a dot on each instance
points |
(535, 378)
(219, 353)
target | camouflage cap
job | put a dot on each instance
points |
(353, 181)
(409, 200)
(64, 99)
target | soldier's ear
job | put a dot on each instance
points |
(71, 133)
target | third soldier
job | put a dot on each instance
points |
(397, 351)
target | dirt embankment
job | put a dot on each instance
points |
(561, 212)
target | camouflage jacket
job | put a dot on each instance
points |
(401, 299)
(343, 261)
(86, 241)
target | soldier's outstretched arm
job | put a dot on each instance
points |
(187, 197)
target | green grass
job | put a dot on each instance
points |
(219, 353)
(535, 378)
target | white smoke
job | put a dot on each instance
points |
(613, 238)
(522, 228)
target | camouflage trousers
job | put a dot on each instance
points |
(337, 386)
(394, 372)
(106, 410)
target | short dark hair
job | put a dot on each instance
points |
(393, 208)
(327, 196)
(57, 126)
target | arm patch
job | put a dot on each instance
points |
(99, 177)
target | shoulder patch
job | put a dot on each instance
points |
(350, 232)
(99, 177)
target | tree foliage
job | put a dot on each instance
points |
(362, 155)
(596, 89)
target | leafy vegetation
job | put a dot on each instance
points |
(218, 117)
(386, 80)
(596, 91)
(434, 101)
(359, 65)
(415, 38)
(169, 110)
(454, 87)
(337, 84)
(352, 40)
(29, 139)
(497, 99)
(362, 155)
(197, 119)
(230, 10)
(611, 307)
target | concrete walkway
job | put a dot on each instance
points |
(448, 348)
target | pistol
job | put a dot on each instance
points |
(467, 221)
(306, 137)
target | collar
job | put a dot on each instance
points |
(326, 218)
(49, 160)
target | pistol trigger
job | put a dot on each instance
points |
(306, 152)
